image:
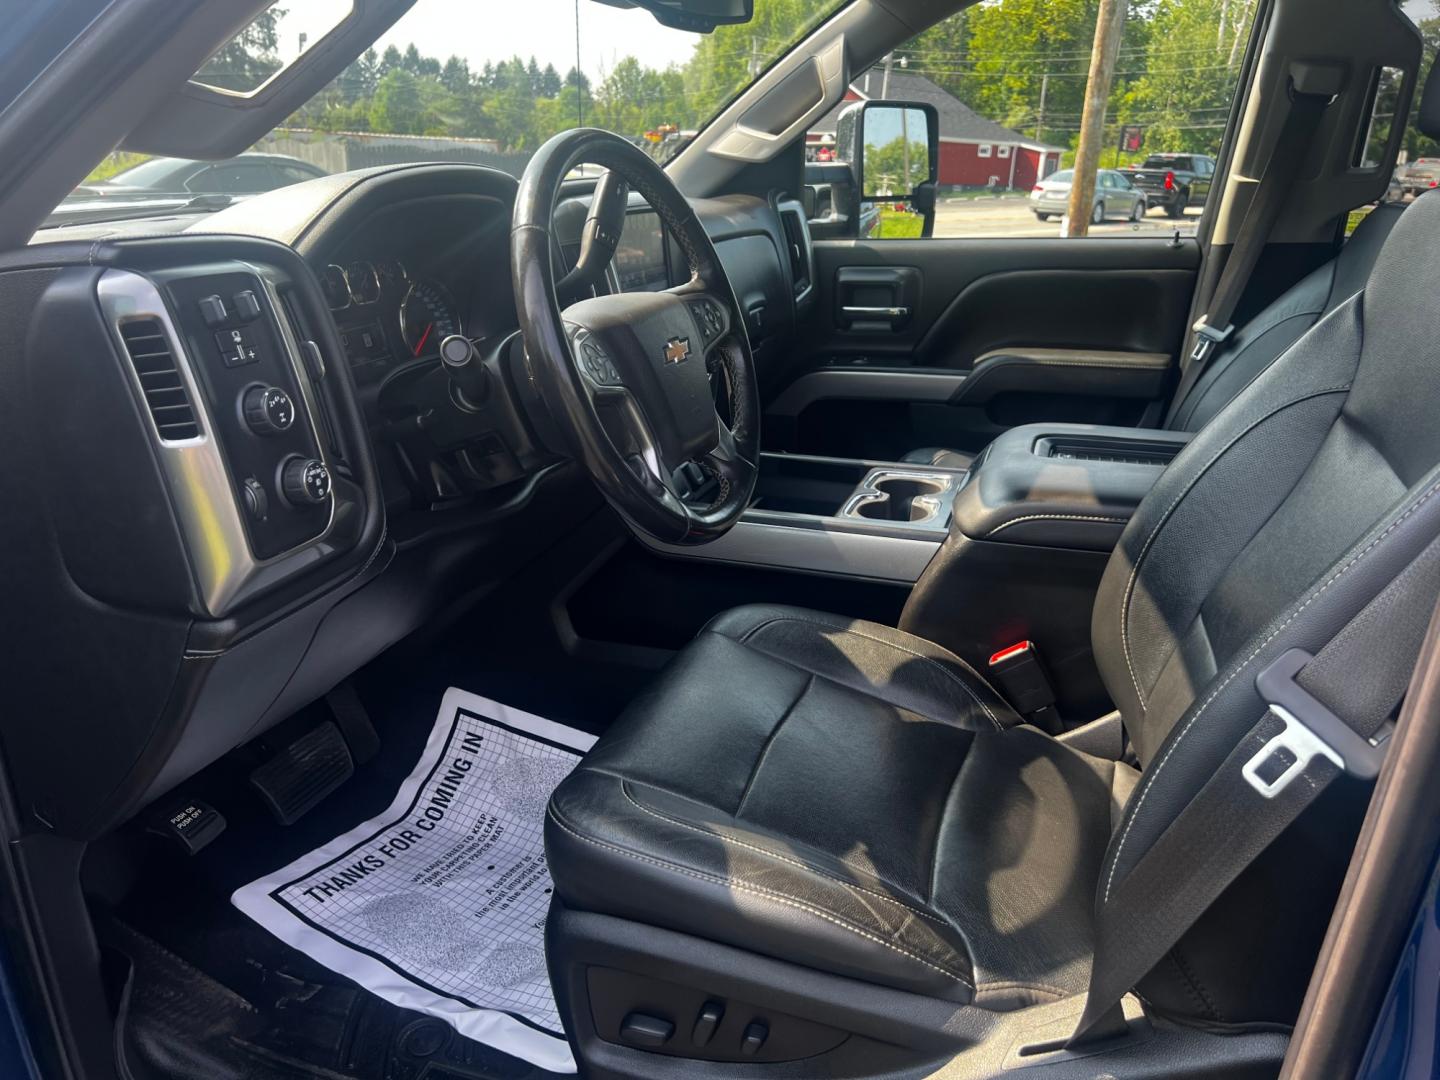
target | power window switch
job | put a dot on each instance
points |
(638, 1029)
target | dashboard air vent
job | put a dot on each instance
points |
(797, 246)
(160, 379)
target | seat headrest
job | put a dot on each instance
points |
(1427, 117)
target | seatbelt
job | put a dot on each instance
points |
(1214, 328)
(1278, 768)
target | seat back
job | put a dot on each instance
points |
(1286, 514)
(1261, 340)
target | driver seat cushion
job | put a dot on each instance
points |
(844, 796)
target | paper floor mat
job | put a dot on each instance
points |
(439, 903)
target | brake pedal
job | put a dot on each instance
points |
(298, 778)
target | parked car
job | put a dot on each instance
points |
(248, 174)
(1115, 196)
(1174, 181)
(1422, 174)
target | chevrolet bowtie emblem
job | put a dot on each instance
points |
(677, 349)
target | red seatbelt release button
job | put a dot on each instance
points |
(1023, 681)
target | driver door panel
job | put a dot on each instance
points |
(984, 335)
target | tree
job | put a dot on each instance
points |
(455, 76)
(550, 84)
(249, 58)
(398, 106)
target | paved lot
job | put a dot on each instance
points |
(1011, 216)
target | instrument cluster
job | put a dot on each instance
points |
(388, 316)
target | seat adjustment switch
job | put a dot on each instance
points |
(638, 1029)
(756, 1032)
(711, 1013)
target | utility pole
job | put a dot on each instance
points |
(754, 56)
(1040, 114)
(885, 83)
(1109, 26)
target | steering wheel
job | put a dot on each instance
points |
(655, 391)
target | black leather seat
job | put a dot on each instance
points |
(853, 800)
(1260, 341)
(848, 796)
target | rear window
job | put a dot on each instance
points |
(1064, 176)
(1166, 163)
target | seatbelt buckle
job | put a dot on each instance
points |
(1021, 675)
(1311, 731)
(1208, 339)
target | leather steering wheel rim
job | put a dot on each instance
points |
(627, 378)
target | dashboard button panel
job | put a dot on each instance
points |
(250, 381)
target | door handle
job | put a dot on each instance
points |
(876, 312)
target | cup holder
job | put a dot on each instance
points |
(901, 498)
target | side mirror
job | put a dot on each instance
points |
(894, 152)
(697, 16)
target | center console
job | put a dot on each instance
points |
(876, 520)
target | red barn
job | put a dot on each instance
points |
(974, 152)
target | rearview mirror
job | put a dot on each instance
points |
(698, 16)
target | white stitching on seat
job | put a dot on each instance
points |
(1057, 517)
(1150, 777)
(625, 790)
(780, 898)
(898, 648)
(1165, 517)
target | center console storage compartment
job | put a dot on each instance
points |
(1032, 531)
(1063, 485)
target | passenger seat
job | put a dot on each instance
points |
(1260, 342)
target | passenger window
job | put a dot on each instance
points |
(1008, 80)
(1417, 168)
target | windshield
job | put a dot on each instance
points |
(484, 82)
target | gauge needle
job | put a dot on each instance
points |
(424, 338)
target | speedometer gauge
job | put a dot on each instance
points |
(427, 317)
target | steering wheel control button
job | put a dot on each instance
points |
(212, 310)
(711, 319)
(706, 1024)
(257, 502)
(268, 410)
(638, 1029)
(247, 306)
(304, 482)
(755, 1035)
(235, 348)
(597, 365)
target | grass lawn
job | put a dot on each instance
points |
(897, 225)
(114, 163)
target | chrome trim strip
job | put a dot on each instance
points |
(866, 385)
(813, 550)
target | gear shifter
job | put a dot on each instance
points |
(468, 376)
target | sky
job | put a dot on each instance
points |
(481, 30)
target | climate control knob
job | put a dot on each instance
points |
(268, 410)
(304, 482)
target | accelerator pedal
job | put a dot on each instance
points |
(298, 778)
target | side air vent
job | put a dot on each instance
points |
(797, 247)
(160, 379)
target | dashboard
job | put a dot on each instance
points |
(289, 478)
